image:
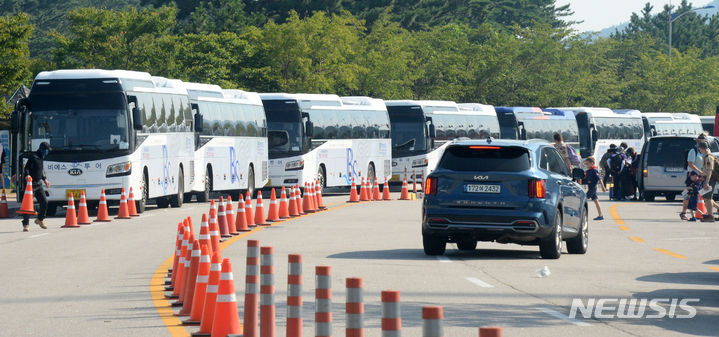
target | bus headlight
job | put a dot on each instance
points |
(419, 162)
(295, 165)
(121, 169)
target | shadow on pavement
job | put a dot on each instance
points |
(701, 278)
(703, 324)
(418, 254)
(712, 262)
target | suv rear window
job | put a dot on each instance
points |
(669, 152)
(485, 158)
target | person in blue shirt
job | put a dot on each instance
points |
(593, 179)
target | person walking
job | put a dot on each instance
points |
(617, 163)
(604, 163)
(694, 162)
(710, 172)
(592, 178)
(562, 149)
(35, 169)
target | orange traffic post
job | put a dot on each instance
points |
(131, 205)
(432, 317)
(490, 331)
(284, 205)
(323, 302)
(70, 216)
(28, 203)
(354, 308)
(391, 314)
(203, 276)
(208, 312)
(294, 296)
(353, 192)
(82, 216)
(252, 285)
(267, 293)
(4, 210)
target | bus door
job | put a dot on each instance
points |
(508, 128)
(586, 139)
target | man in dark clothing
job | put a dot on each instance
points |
(604, 165)
(35, 169)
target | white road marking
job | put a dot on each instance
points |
(479, 282)
(38, 235)
(565, 318)
(444, 259)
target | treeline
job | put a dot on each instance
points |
(507, 57)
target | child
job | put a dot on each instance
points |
(592, 178)
(693, 189)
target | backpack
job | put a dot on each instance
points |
(573, 156)
(616, 162)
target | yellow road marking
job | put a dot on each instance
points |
(636, 239)
(678, 256)
(715, 268)
(157, 283)
(615, 215)
(624, 228)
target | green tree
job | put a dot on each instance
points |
(15, 31)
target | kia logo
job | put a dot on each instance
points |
(481, 177)
(74, 172)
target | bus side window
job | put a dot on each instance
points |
(187, 110)
(179, 114)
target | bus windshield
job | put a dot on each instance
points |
(94, 122)
(283, 116)
(407, 131)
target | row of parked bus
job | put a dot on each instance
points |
(171, 140)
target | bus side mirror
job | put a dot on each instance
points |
(523, 134)
(309, 128)
(432, 131)
(199, 122)
(137, 121)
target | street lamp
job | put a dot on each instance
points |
(673, 17)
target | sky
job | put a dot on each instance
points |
(600, 14)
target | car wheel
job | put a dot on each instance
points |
(434, 245)
(647, 196)
(551, 247)
(579, 243)
(468, 245)
(176, 200)
(671, 196)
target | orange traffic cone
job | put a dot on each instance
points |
(320, 205)
(28, 204)
(208, 312)
(284, 205)
(230, 215)
(227, 319)
(4, 211)
(222, 220)
(292, 207)
(241, 219)
(274, 213)
(82, 217)
(313, 196)
(205, 238)
(701, 207)
(131, 206)
(123, 213)
(385, 190)
(376, 195)
(178, 282)
(306, 205)
(214, 233)
(364, 196)
(176, 259)
(203, 275)
(70, 217)
(186, 271)
(353, 192)
(299, 200)
(260, 219)
(405, 189)
(249, 215)
(192, 280)
(102, 215)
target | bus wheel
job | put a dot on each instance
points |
(176, 200)
(322, 178)
(51, 209)
(251, 182)
(204, 196)
(141, 203)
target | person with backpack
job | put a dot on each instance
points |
(604, 163)
(710, 171)
(592, 179)
(570, 156)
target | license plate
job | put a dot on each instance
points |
(482, 188)
(75, 194)
(395, 177)
(674, 169)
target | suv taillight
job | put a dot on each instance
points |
(537, 189)
(430, 188)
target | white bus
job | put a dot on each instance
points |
(109, 130)
(600, 127)
(671, 124)
(325, 137)
(421, 130)
(231, 152)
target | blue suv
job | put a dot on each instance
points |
(505, 191)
